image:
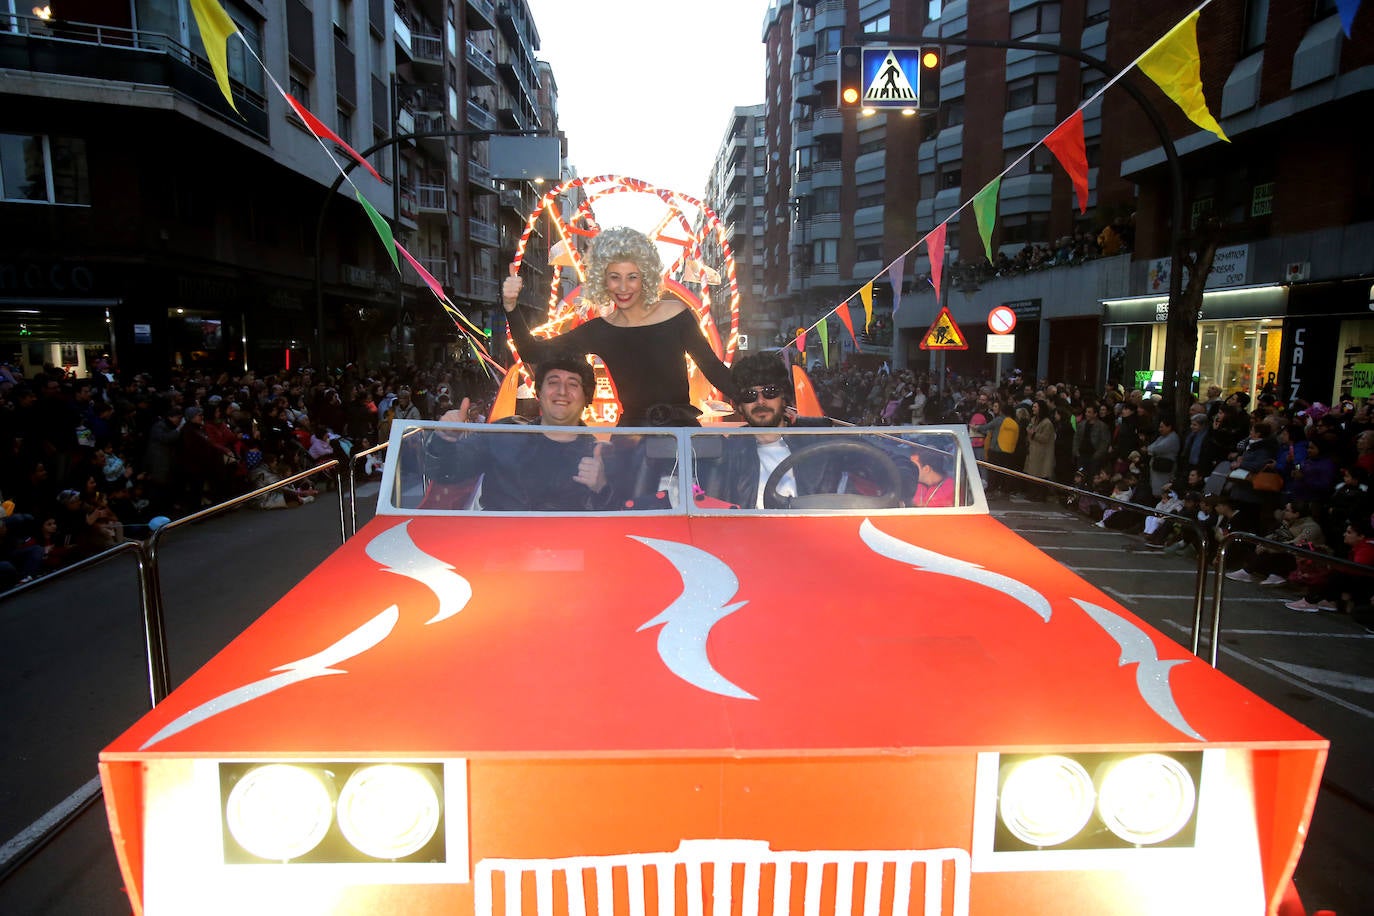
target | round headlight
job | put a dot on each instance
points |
(1046, 801)
(1146, 799)
(280, 811)
(389, 811)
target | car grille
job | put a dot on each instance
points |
(887, 882)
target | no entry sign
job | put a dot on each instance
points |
(1001, 320)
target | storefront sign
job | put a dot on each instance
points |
(1001, 343)
(143, 333)
(1230, 267)
(1025, 309)
(1307, 360)
(1362, 382)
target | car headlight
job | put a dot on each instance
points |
(280, 811)
(1146, 799)
(1046, 801)
(389, 811)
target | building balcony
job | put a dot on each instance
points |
(482, 232)
(479, 117)
(512, 199)
(151, 61)
(401, 29)
(437, 267)
(827, 121)
(480, 15)
(429, 121)
(485, 289)
(480, 176)
(405, 121)
(410, 204)
(481, 68)
(433, 198)
(427, 49)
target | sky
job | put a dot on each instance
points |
(646, 88)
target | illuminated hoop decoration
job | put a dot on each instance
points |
(683, 214)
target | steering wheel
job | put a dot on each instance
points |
(887, 499)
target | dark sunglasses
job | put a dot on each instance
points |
(768, 392)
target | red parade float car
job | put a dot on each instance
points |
(662, 702)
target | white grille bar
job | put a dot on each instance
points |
(723, 855)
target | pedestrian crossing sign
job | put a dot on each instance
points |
(944, 334)
(890, 76)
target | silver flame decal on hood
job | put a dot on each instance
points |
(312, 666)
(397, 553)
(707, 584)
(1151, 673)
(925, 560)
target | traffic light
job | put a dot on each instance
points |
(929, 81)
(851, 86)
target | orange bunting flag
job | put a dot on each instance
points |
(215, 28)
(866, 294)
(1174, 65)
(321, 130)
(1066, 142)
(843, 312)
(935, 248)
(804, 394)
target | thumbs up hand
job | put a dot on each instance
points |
(591, 471)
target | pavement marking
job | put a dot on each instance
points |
(1050, 548)
(1136, 569)
(1292, 681)
(1338, 679)
(1188, 597)
(26, 837)
(1300, 634)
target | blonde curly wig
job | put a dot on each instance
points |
(614, 246)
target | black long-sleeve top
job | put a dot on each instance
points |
(645, 361)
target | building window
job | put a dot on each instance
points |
(927, 185)
(340, 13)
(953, 112)
(298, 84)
(871, 252)
(951, 176)
(43, 169)
(1035, 20)
(933, 9)
(828, 41)
(1095, 11)
(826, 200)
(825, 251)
(345, 125)
(241, 64)
(1030, 90)
(881, 23)
(1256, 24)
(1041, 160)
(1024, 229)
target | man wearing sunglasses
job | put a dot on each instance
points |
(763, 398)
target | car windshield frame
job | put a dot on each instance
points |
(650, 457)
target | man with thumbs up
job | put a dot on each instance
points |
(559, 470)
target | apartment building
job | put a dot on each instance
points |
(1294, 208)
(735, 192)
(145, 219)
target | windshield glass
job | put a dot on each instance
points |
(458, 469)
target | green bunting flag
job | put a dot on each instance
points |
(985, 209)
(824, 330)
(383, 230)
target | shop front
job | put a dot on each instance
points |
(1241, 338)
(1328, 353)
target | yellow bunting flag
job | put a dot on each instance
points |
(866, 294)
(215, 28)
(1174, 65)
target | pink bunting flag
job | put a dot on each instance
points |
(801, 340)
(935, 248)
(319, 129)
(894, 276)
(843, 312)
(1066, 142)
(425, 275)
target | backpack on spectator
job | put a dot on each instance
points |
(1008, 434)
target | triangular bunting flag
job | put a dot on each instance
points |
(823, 329)
(321, 130)
(1174, 65)
(1066, 142)
(804, 393)
(801, 341)
(379, 224)
(894, 276)
(560, 255)
(425, 275)
(985, 210)
(1347, 9)
(215, 28)
(843, 312)
(866, 295)
(935, 248)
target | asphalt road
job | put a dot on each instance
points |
(72, 676)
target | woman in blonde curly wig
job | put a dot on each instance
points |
(641, 338)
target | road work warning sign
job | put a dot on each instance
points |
(944, 334)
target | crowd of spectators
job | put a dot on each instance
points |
(1117, 237)
(88, 462)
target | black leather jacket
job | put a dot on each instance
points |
(520, 472)
(736, 476)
